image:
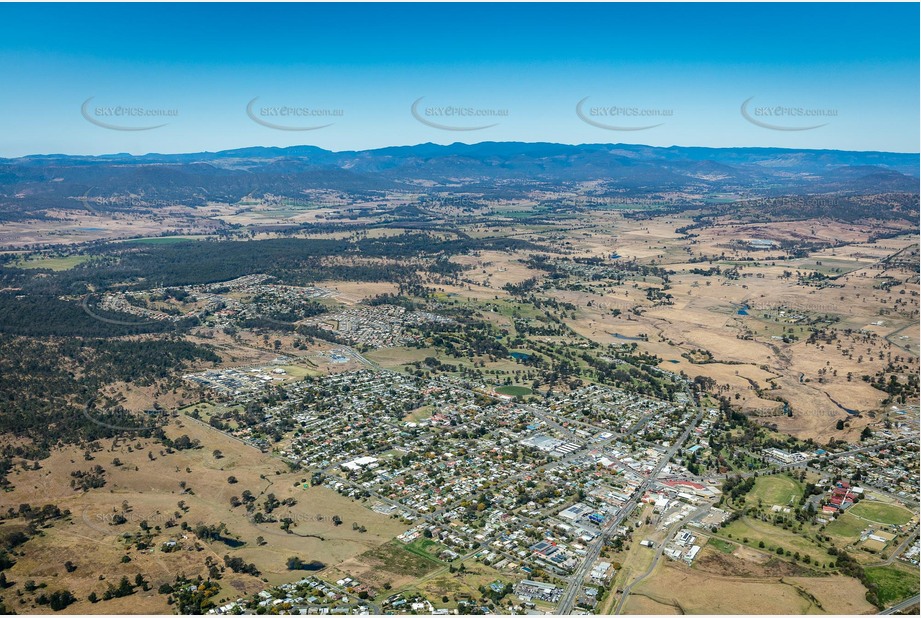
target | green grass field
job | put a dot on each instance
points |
(882, 513)
(53, 263)
(829, 266)
(390, 358)
(846, 528)
(724, 546)
(773, 537)
(297, 371)
(161, 240)
(207, 409)
(410, 560)
(514, 391)
(427, 548)
(776, 489)
(894, 583)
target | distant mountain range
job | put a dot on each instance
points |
(29, 185)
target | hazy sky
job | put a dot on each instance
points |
(68, 70)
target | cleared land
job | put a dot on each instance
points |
(153, 485)
(694, 592)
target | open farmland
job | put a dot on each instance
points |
(691, 592)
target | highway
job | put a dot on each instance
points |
(594, 550)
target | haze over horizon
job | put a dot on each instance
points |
(218, 77)
(446, 145)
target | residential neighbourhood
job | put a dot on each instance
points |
(539, 489)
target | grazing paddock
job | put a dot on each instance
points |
(695, 592)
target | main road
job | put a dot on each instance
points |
(655, 559)
(594, 549)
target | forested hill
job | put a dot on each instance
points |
(33, 184)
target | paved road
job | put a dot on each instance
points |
(655, 559)
(594, 550)
(901, 606)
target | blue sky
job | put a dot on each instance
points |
(686, 68)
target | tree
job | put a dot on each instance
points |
(217, 454)
(60, 599)
(294, 563)
(232, 480)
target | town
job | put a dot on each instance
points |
(546, 494)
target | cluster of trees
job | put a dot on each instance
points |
(633, 370)
(123, 589)
(182, 443)
(238, 565)
(464, 338)
(735, 486)
(297, 564)
(88, 479)
(57, 600)
(191, 596)
(50, 385)
(850, 567)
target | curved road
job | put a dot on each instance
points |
(594, 550)
(655, 560)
